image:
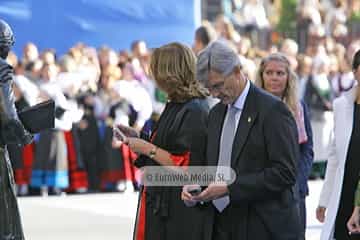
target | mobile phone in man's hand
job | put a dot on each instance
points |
(195, 191)
(354, 233)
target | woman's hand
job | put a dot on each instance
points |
(137, 145)
(354, 222)
(320, 213)
(116, 143)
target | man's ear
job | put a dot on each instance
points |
(237, 71)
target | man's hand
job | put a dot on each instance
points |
(354, 222)
(213, 191)
(320, 213)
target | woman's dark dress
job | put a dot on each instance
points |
(162, 215)
(351, 178)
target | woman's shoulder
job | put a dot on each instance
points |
(194, 110)
(197, 104)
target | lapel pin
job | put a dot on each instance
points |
(249, 119)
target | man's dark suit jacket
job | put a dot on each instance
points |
(265, 154)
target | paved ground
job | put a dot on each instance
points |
(104, 216)
(88, 217)
(313, 226)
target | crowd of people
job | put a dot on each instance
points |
(92, 91)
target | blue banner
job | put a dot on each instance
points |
(116, 23)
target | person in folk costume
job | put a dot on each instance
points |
(107, 107)
(12, 132)
(87, 129)
(68, 72)
(78, 177)
(50, 168)
(141, 116)
(177, 140)
(25, 93)
(89, 137)
(116, 151)
(136, 94)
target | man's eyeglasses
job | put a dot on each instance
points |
(216, 87)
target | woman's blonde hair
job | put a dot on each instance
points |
(173, 66)
(289, 97)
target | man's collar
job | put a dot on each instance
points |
(240, 101)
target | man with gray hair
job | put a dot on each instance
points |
(255, 134)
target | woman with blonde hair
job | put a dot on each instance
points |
(176, 140)
(276, 77)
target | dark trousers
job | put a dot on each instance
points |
(222, 225)
(227, 228)
(302, 213)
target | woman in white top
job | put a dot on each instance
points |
(342, 174)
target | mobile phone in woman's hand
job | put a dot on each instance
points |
(118, 134)
(127, 131)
